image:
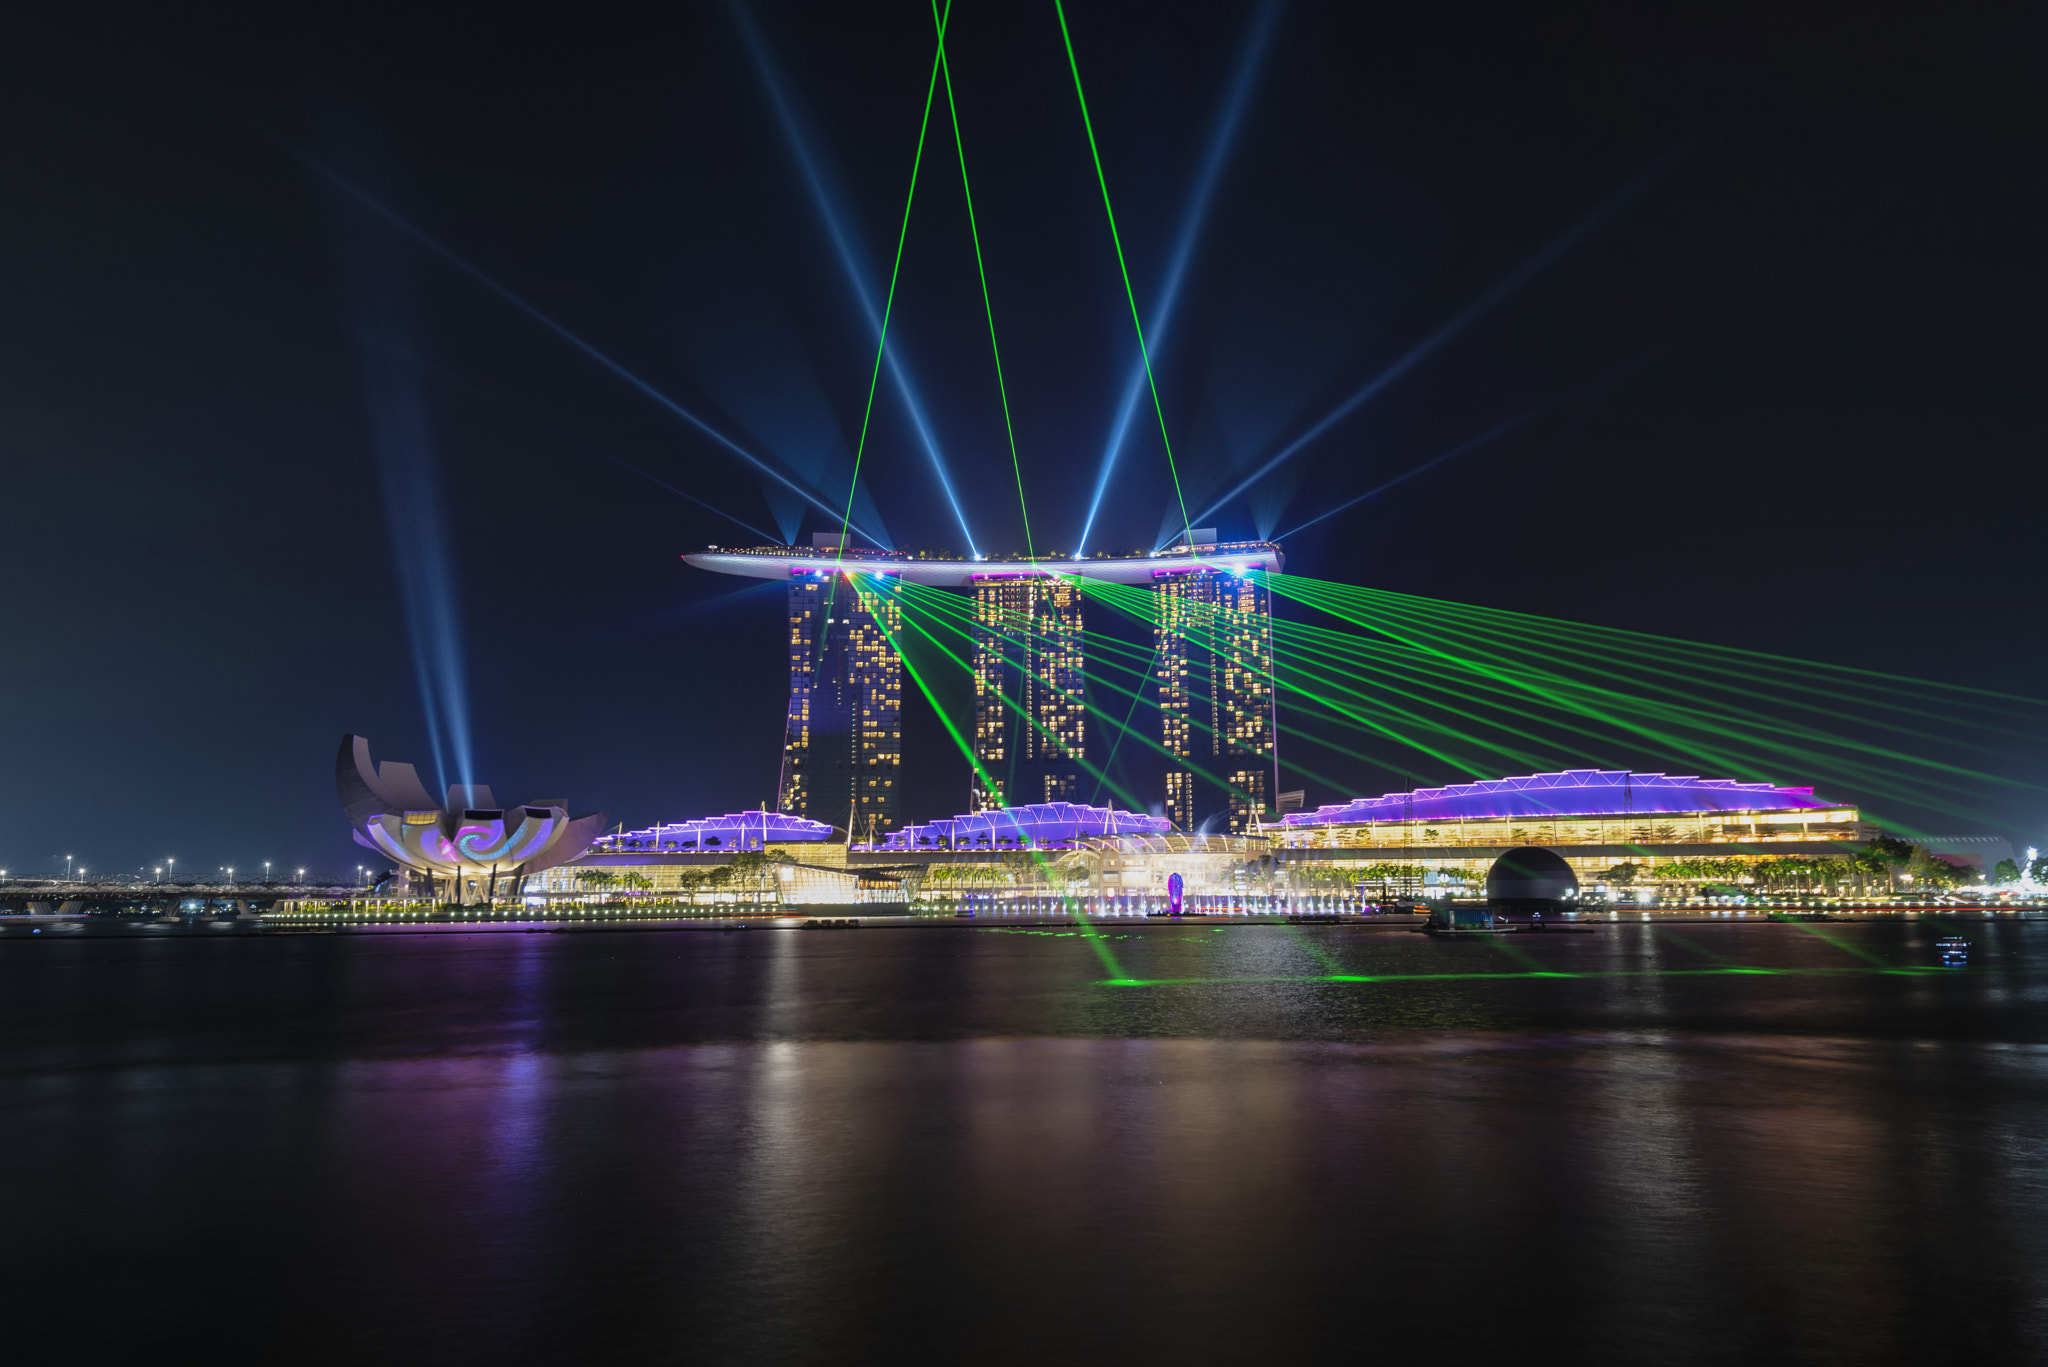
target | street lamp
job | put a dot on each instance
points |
(159, 873)
(301, 877)
(67, 868)
(231, 875)
(172, 865)
(266, 873)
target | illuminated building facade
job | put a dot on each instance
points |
(1593, 818)
(1030, 699)
(466, 849)
(1214, 638)
(1034, 825)
(842, 752)
(732, 832)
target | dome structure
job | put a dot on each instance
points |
(1032, 825)
(1569, 792)
(735, 831)
(1532, 878)
(469, 838)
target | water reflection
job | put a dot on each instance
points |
(822, 1148)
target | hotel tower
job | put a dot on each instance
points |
(1030, 699)
(1213, 636)
(842, 749)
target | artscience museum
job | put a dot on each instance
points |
(470, 849)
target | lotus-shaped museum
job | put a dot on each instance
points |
(471, 841)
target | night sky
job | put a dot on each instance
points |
(1786, 339)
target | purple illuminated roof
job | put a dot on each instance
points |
(733, 831)
(1036, 824)
(1574, 792)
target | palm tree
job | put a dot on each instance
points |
(1883, 856)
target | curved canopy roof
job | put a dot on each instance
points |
(733, 831)
(1035, 825)
(1573, 792)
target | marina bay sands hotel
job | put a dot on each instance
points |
(1212, 663)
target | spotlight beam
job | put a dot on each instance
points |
(981, 270)
(895, 272)
(1460, 449)
(842, 242)
(1601, 214)
(483, 391)
(401, 431)
(1221, 139)
(423, 238)
(1510, 425)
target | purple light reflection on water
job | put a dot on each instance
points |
(771, 1147)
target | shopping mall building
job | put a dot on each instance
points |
(1595, 818)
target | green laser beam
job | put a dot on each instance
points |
(1839, 943)
(919, 593)
(1116, 240)
(1024, 713)
(917, 677)
(895, 270)
(1682, 942)
(1103, 952)
(1604, 974)
(1513, 656)
(1467, 692)
(1542, 625)
(988, 306)
(1612, 707)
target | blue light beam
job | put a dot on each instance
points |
(528, 416)
(1598, 217)
(402, 436)
(395, 219)
(849, 254)
(1510, 425)
(1221, 139)
(1482, 439)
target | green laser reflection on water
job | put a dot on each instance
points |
(1540, 976)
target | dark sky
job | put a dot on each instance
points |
(1807, 276)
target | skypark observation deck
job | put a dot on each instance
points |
(961, 572)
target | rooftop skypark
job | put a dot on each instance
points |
(939, 569)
